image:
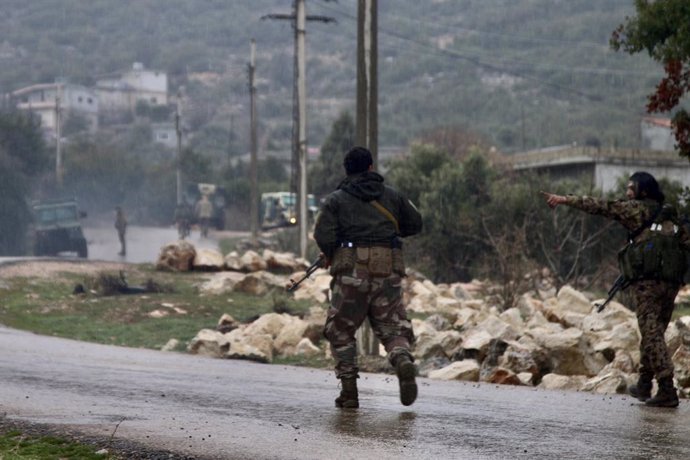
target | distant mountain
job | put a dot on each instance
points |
(521, 73)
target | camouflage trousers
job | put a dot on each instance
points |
(653, 301)
(355, 297)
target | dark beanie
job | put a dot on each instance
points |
(357, 160)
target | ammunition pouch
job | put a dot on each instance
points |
(398, 261)
(343, 261)
(380, 261)
(659, 257)
(377, 260)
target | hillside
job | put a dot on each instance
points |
(521, 73)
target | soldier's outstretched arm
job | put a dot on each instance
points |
(552, 199)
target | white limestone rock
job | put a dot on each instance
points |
(467, 370)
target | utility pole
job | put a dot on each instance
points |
(366, 126)
(254, 192)
(178, 130)
(58, 143)
(302, 126)
(299, 19)
(366, 131)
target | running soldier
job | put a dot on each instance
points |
(358, 231)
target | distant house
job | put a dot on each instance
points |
(656, 134)
(45, 99)
(122, 92)
(164, 133)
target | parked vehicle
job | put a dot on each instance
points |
(279, 209)
(57, 228)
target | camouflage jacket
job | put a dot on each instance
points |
(347, 214)
(632, 214)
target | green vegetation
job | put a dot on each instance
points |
(681, 310)
(23, 157)
(524, 72)
(49, 307)
(16, 446)
(660, 29)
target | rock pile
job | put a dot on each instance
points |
(550, 340)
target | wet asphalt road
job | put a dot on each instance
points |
(227, 409)
(143, 243)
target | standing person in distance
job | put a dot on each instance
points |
(204, 212)
(654, 264)
(358, 231)
(121, 226)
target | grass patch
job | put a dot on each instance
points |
(682, 309)
(141, 320)
(14, 446)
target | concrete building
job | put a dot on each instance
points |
(656, 134)
(600, 168)
(45, 99)
(122, 92)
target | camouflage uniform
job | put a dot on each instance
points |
(347, 217)
(653, 300)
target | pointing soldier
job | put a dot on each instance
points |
(653, 265)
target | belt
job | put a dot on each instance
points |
(395, 244)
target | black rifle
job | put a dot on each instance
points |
(620, 283)
(312, 268)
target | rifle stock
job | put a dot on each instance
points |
(620, 283)
(311, 269)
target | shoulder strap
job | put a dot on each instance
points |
(386, 213)
(647, 223)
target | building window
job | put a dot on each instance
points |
(154, 100)
(80, 99)
(89, 100)
(163, 136)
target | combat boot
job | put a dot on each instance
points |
(406, 372)
(349, 398)
(642, 390)
(666, 396)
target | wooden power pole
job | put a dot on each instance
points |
(58, 141)
(366, 130)
(299, 19)
(178, 163)
(254, 191)
(366, 133)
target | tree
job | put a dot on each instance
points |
(661, 28)
(23, 157)
(327, 172)
(449, 195)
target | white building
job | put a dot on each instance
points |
(125, 90)
(656, 134)
(164, 133)
(45, 99)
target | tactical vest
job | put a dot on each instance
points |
(658, 255)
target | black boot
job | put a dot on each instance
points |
(642, 390)
(348, 398)
(406, 371)
(666, 396)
